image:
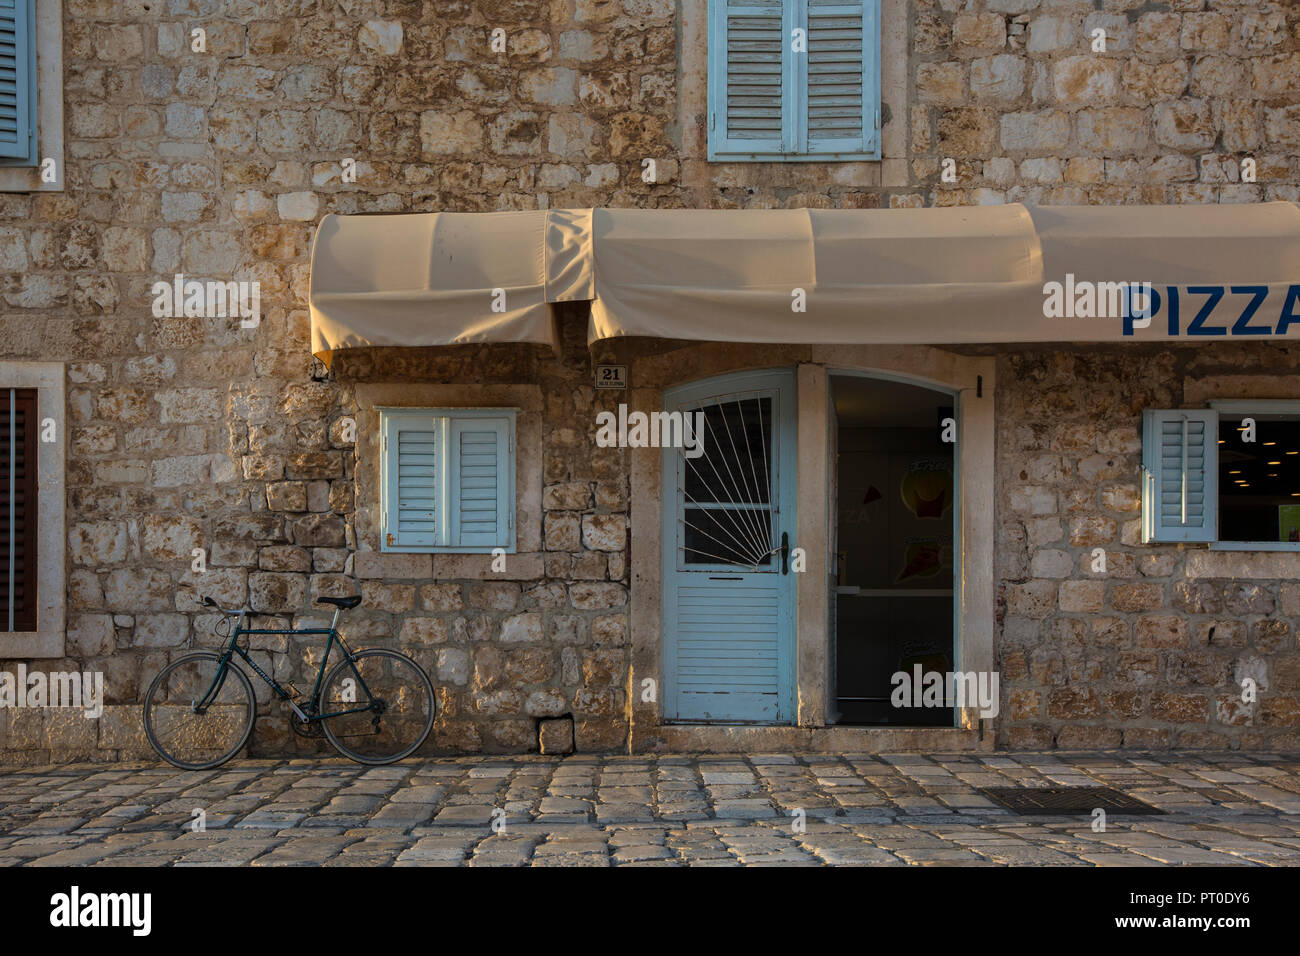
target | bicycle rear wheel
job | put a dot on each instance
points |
(394, 705)
(188, 739)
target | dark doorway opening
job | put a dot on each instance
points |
(895, 493)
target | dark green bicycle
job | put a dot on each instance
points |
(375, 706)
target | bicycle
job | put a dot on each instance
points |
(200, 709)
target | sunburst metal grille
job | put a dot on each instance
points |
(725, 496)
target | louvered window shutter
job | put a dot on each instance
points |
(1180, 467)
(773, 99)
(18, 509)
(18, 82)
(448, 478)
(414, 506)
(838, 95)
(480, 495)
(750, 83)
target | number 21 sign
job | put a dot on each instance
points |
(611, 376)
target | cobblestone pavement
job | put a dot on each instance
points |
(587, 810)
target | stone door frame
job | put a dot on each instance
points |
(973, 379)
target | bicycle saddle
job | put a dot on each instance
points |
(343, 602)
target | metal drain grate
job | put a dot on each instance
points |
(1048, 800)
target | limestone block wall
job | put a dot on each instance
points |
(188, 432)
(1015, 92)
(1150, 653)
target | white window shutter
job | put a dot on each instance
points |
(18, 82)
(1180, 470)
(750, 86)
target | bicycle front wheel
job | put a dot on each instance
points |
(382, 703)
(189, 738)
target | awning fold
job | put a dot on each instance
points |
(446, 278)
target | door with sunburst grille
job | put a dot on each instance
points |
(729, 528)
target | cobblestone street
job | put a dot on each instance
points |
(713, 810)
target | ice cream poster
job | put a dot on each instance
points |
(925, 558)
(896, 513)
(926, 492)
(926, 489)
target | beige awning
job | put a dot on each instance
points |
(812, 275)
(446, 278)
(1229, 258)
(964, 274)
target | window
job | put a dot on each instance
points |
(33, 403)
(31, 96)
(448, 479)
(18, 509)
(794, 80)
(18, 82)
(1229, 475)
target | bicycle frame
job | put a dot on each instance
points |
(233, 648)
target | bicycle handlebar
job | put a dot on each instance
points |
(207, 601)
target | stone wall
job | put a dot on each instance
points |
(1150, 653)
(1013, 91)
(186, 432)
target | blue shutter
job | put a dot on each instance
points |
(18, 81)
(729, 661)
(448, 480)
(413, 488)
(482, 491)
(838, 81)
(751, 88)
(1180, 469)
(767, 102)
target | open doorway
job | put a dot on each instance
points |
(893, 494)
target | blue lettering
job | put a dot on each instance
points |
(1242, 325)
(1197, 326)
(1288, 316)
(1152, 307)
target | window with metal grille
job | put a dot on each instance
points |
(794, 80)
(18, 509)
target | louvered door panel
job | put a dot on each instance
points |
(727, 640)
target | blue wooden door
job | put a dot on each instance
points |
(728, 590)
